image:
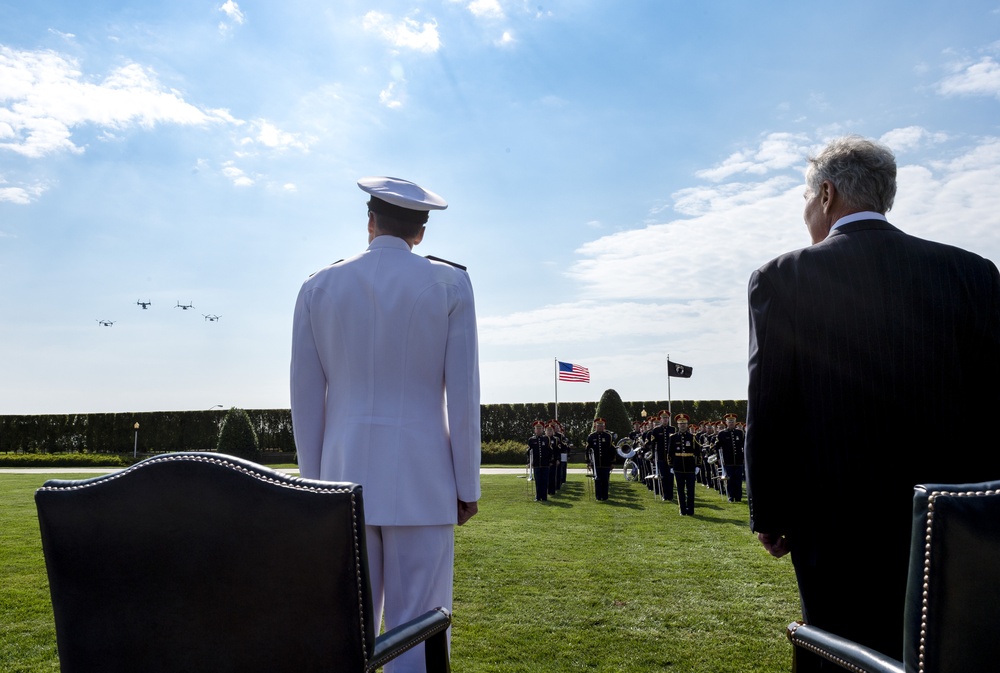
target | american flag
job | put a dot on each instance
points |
(571, 372)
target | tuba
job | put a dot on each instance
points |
(625, 448)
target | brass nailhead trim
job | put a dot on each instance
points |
(925, 589)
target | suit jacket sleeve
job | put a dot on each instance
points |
(308, 390)
(461, 377)
(770, 402)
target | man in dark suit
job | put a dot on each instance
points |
(866, 324)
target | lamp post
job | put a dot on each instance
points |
(135, 447)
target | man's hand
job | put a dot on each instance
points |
(776, 545)
(466, 510)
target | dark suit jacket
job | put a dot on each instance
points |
(864, 349)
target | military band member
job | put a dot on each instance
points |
(540, 458)
(731, 441)
(705, 439)
(658, 439)
(550, 431)
(647, 455)
(684, 459)
(563, 444)
(635, 437)
(601, 445)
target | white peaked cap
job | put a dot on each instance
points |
(402, 193)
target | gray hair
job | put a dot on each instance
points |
(862, 170)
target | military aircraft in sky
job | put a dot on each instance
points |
(184, 306)
(106, 323)
(211, 317)
(143, 304)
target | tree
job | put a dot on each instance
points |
(237, 436)
(612, 410)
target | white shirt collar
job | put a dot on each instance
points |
(855, 217)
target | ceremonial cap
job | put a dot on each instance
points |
(728, 416)
(401, 199)
(598, 420)
(538, 423)
(682, 418)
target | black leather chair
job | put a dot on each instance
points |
(952, 614)
(192, 562)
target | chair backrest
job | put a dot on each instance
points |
(204, 562)
(953, 591)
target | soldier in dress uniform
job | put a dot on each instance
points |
(647, 455)
(706, 443)
(684, 460)
(540, 458)
(658, 439)
(731, 441)
(563, 446)
(538, 430)
(550, 432)
(635, 437)
(601, 446)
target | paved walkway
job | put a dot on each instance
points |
(289, 470)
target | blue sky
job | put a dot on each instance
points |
(615, 172)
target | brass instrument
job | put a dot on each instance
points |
(622, 443)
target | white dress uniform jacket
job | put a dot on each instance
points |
(385, 383)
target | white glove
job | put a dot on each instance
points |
(697, 471)
(671, 470)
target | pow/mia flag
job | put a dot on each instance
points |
(681, 371)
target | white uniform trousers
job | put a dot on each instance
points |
(411, 569)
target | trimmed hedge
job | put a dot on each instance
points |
(64, 460)
(161, 431)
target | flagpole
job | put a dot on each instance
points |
(669, 398)
(556, 373)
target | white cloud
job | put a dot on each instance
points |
(486, 9)
(270, 136)
(232, 10)
(16, 195)
(406, 33)
(911, 138)
(234, 17)
(238, 177)
(726, 196)
(20, 195)
(390, 96)
(68, 37)
(44, 96)
(978, 79)
(506, 39)
(954, 201)
(775, 152)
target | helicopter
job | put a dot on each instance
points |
(184, 306)
(106, 323)
(143, 304)
(211, 317)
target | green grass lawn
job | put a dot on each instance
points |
(567, 585)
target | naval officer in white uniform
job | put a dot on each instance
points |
(385, 393)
